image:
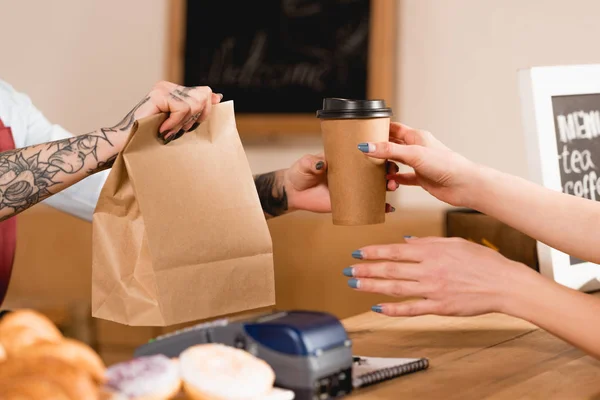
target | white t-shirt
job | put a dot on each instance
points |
(30, 127)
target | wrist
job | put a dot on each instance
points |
(478, 188)
(292, 199)
(522, 291)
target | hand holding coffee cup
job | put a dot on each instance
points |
(357, 183)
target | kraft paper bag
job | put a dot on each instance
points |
(178, 232)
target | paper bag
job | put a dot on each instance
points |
(178, 231)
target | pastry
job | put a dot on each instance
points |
(15, 339)
(28, 389)
(74, 382)
(219, 372)
(30, 319)
(148, 378)
(71, 351)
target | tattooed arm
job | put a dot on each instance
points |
(303, 186)
(31, 174)
(272, 194)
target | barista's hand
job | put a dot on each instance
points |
(305, 184)
(451, 276)
(186, 107)
(437, 169)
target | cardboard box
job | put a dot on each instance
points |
(483, 229)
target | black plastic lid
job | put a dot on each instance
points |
(335, 108)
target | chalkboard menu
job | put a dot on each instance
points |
(577, 122)
(278, 56)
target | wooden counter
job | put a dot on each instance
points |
(487, 357)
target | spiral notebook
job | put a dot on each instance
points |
(368, 371)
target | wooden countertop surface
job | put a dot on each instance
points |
(488, 357)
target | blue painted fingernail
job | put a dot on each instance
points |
(408, 237)
(392, 209)
(348, 271)
(357, 254)
(364, 147)
(319, 165)
(377, 309)
(353, 283)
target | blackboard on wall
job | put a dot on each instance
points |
(278, 56)
(577, 129)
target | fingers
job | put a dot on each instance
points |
(408, 308)
(386, 270)
(433, 240)
(216, 98)
(392, 170)
(403, 134)
(194, 121)
(405, 178)
(387, 287)
(411, 155)
(186, 107)
(392, 252)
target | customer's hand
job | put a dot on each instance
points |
(451, 276)
(305, 183)
(186, 108)
(437, 169)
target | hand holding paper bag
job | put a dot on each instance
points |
(178, 232)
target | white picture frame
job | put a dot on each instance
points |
(537, 87)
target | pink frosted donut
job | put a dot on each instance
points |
(150, 377)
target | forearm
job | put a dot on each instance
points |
(30, 175)
(272, 194)
(564, 312)
(562, 221)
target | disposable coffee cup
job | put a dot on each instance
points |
(357, 182)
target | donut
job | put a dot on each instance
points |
(150, 377)
(75, 383)
(16, 339)
(30, 319)
(72, 352)
(218, 372)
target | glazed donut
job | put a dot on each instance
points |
(72, 352)
(219, 372)
(151, 377)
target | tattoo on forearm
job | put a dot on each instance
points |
(27, 177)
(103, 165)
(127, 121)
(272, 194)
(32, 174)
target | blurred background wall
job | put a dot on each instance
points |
(86, 63)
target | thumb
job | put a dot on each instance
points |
(312, 165)
(411, 155)
(216, 98)
(308, 171)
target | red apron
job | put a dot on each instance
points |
(8, 228)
